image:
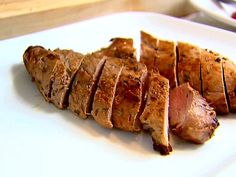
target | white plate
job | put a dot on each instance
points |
(37, 139)
(208, 7)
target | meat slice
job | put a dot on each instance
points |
(119, 48)
(159, 54)
(148, 50)
(230, 82)
(105, 93)
(166, 61)
(212, 81)
(128, 97)
(191, 118)
(189, 65)
(63, 76)
(40, 63)
(155, 114)
(85, 84)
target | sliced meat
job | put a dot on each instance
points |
(189, 65)
(230, 82)
(166, 61)
(40, 63)
(155, 114)
(212, 81)
(191, 117)
(159, 54)
(63, 76)
(148, 50)
(85, 84)
(128, 97)
(119, 48)
(105, 93)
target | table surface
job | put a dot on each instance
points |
(19, 17)
(10, 8)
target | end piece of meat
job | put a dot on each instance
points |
(85, 85)
(161, 54)
(155, 114)
(189, 65)
(105, 93)
(63, 76)
(128, 97)
(119, 48)
(40, 63)
(212, 81)
(191, 117)
(230, 81)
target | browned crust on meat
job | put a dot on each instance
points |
(166, 61)
(105, 93)
(230, 80)
(155, 114)
(119, 48)
(148, 50)
(70, 59)
(40, 63)
(149, 40)
(84, 85)
(159, 54)
(63, 76)
(164, 150)
(189, 65)
(212, 81)
(128, 97)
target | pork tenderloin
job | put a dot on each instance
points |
(212, 81)
(105, 93)
(85, 85)
(128, 97)
(191, 117)
(155, 114)
(40, 64)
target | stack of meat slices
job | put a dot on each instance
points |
(115, 89)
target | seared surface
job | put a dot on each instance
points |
(212, 81)
(104, 96)
(40, 63)
(85, 84)
(191, 117)
(63, 76)
(230, 80)
(148, 53)
(119, 48)
(128, 97)
(161, 55)
(155, 114)
(189, 65)
(120, 92)
(166, 61)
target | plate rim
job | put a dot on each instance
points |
(223, 19)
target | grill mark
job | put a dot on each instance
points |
(94, 88)
(225, 89)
